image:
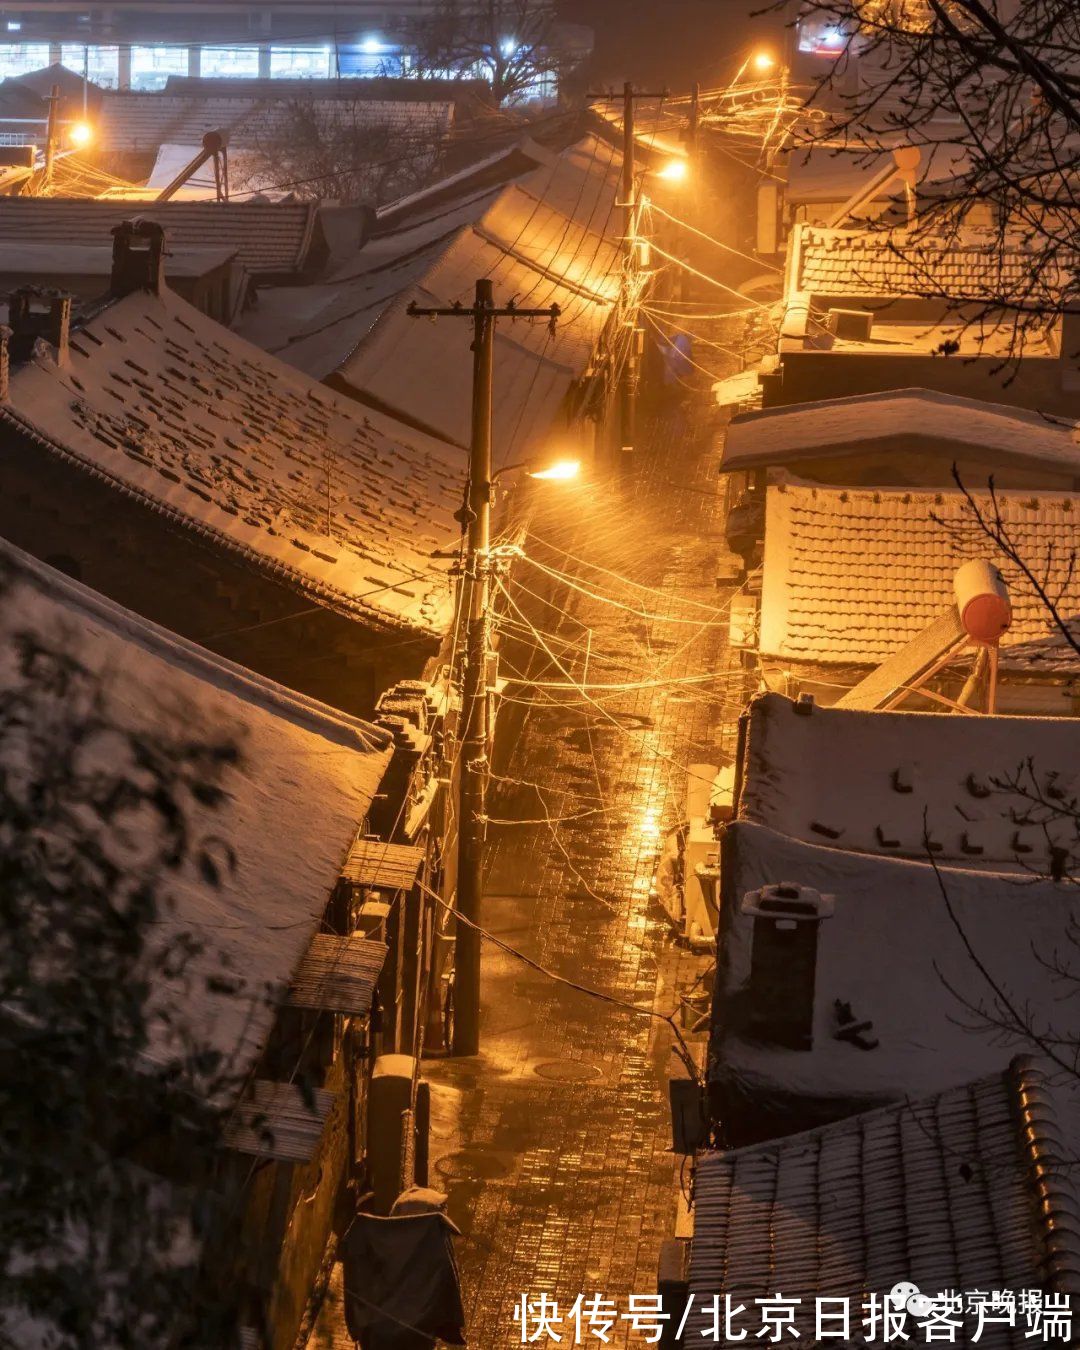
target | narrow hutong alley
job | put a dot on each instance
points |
(541, 702)
(554, 1143)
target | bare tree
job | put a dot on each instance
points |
(1034, 799)
(106, 1149)
(994, 86)
(328, 149)
(513, 45)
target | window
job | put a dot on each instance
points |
(152, 66)
(822, 37)
(301, 62)
(366, 59)
(102, 64)
(234, 61)
(21, 58)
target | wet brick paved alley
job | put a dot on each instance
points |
(553, 1143)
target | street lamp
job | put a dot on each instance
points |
(473, 731)
(763, 62)
(80, 134)
(674, 171)
(559, 472)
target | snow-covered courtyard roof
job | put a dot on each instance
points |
(902, 422)
(271, 238)
(969, 1189)
(851, 574)
(131, 121)
(271, 786)
(544, 239)
(980, 787)
(173, 409)
(859, 263)
(891, 950)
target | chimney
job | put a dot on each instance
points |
(783, 962)
(138, 262)
(37, 313)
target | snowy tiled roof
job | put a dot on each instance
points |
(271, 238)
(545, 240)
(144, 121)
(973, 777)
(851, 574)
(176, 410)
(969, 1189)
(891, 951)
(25, 262)
(901, 420)
(292, 796)
(481, 175)
(839, 263)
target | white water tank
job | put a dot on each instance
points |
(982, 600)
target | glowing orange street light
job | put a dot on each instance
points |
(559, 472)
(763, 62)
(674, 171)
(80, 134)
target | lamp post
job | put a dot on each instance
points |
(473, 613)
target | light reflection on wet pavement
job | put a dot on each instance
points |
(553, 1143)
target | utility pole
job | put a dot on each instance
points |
(473, 612)
(694, 186)
(628, 383)
(51, 133)
(695, 122)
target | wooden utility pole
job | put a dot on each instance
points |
(694, 126)
(52, 131)
(628, 383)
(473, 612)
(631, 368)
(694, 186)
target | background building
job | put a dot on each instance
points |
(139, 45)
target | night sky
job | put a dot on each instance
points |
(673, 41)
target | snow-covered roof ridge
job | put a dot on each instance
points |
(186, 655)
(271, 238)
(851, 574)
(787, 433)
(925, 921)
(136, 121)
(820, 1214)
(975, 265)
(274, 791)
(894, 777)
(546, 239)
(174, 409)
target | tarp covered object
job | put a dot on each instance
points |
(402, 1290)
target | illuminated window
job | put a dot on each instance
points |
(23, 57)
(366, 60)
(152, 66)
(821, 36)
(102, 64)
(301, 62)
(235, 61)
